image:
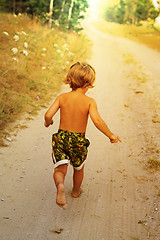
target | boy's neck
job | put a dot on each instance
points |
(81, 90)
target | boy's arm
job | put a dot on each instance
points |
(100, 124)
(51, 112)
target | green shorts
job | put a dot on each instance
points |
(69, 147)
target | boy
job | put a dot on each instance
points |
(70, 144)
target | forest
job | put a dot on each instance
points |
(69, 13)
(132, 11)
(66, 13)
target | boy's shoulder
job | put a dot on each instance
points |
(61, 96)
(64, 96)
(91, 100)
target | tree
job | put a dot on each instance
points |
(130, 8)
(50, 12)
(73, 11)
(153, 14)
(120, 12)
(142, 9)
(67, 13)
(110, 14)
(116, 13)
(70, 11)
(77, 14)
(7, 6)
(131, 11)
(62, 9)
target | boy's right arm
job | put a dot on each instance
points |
(51, 112)
(100, 124)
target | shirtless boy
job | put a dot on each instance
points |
(70, 143)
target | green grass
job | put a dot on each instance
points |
(29, 80)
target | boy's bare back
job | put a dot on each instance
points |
(74, 109)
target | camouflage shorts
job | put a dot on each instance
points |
(69, 146)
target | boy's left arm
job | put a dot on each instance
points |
(51, 112)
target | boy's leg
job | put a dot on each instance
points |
(59, 177)
(77, 181)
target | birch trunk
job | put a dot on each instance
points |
(61, 10)
(70, 11)
(50, 13)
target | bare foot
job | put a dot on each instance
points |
(76, 194)
(61, 199)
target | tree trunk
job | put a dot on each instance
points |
(50, 13)
(20, 7)
(61, 10)
(14, 7)
(70, 11)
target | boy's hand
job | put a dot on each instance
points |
(48, 124)
(115, 139)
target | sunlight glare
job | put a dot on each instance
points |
(96, 7)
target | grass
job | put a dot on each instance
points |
(30, 78)
(134, 238)
(137, 72)
(146, 34)
(154, 163)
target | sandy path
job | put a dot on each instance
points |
(117, 190)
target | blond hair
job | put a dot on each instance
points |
(80, 75)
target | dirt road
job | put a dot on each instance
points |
(120, 194)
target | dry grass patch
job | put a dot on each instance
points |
(34, 60)
(154, 163)
(145, 34)
(137, 72)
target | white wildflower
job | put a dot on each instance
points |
(67, 62)
(15, 50)
(6, 33)
(55, 45)
(62, 54)
(43, 54)
(16, 38)
(58, 51)
(25, 44)
(25, 52)
(71, 54)
(23, 33)
(15, 59)
(9, 139)
(44, 49)
(65, 45)
(43, 68)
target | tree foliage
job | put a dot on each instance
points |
(142, 9)
(131, 11)
(66, 13)
(120, 12)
